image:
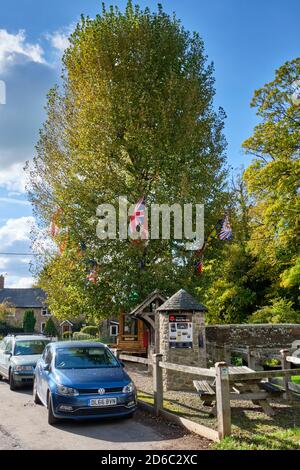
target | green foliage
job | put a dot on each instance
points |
(6, 309)
(29, 321)
(291, 276)
(67, 335)
(273, 180)
(50, 328)
(257, 277)
(78, 335)
(236, 361)
(272, 362)
(6, 328)
(135, 115)
(90, 330)
(279, 311)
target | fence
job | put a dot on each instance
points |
(224, 378)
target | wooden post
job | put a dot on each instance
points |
(227, 353)
(285, 365)
(118, 353)
(158, 383)
(223, 399)
(250, 359)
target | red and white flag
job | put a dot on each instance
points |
(138, 226)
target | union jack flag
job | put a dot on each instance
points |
(226, 230)
(92, 277)
(138, 220)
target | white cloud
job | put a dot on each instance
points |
(59, 40)
(4, 262)
(16, 230)
(13, 178)
(19, 282)
(15, 49)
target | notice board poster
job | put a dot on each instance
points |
(180, 331)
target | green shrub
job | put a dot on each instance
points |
(29, 321)
(90, 330)
(67, 335)
(79, 336)
(279, 311)
(237, 361)
(272, 362)
(5, 329)
(50, 328)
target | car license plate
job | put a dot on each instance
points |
(103, 401)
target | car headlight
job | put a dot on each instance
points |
(67, 391)
(129, 388)
(23, 368)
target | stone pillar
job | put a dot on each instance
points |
(195, 356)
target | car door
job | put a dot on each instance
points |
(7, 353)
(2, 349)
(43, 373)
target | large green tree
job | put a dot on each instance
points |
(236, 281)
(134, 116)
(273, 181)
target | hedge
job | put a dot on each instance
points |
(90, 330)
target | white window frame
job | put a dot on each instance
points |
(47, 314)
(11, 315)
(111, 330)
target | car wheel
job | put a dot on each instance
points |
(51, 418)
(1, 377)
(12, 383)
(36, 399)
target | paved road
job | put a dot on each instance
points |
(23, 425)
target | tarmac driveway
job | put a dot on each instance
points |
(23, 425)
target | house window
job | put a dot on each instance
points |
(130, 326)
(11, 315)
(114, 330)
(43, 324)
(45, 312)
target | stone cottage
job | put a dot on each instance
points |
(22, 299)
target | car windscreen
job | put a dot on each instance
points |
(84, 358)
(30, 347)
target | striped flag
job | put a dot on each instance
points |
(226, 230)
(138, 220)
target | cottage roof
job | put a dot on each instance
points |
(182, 300)
(33, 297)
(151, 298)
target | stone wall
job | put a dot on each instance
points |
(222, 338)
(196, 356)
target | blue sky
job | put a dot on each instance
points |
(246, 40)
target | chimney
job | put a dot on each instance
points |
(1, 281)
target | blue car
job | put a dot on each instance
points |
(82, 380)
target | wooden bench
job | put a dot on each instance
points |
(271, 388)
(206, 393)
(203, 388)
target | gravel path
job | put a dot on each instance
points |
(245, 415)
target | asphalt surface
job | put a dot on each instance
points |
(23, 425)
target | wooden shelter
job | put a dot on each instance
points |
(137, 328)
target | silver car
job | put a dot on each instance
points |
(18, 357)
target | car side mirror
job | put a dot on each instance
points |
(46, 367)
(122, 364)
(8, 353)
